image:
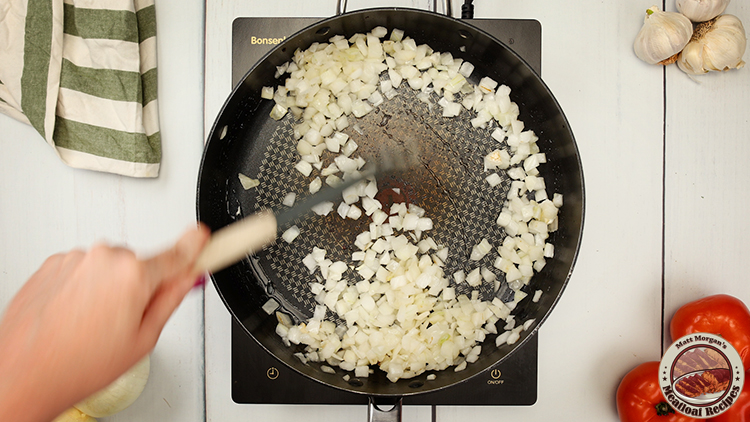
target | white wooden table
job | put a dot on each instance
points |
(664, 163)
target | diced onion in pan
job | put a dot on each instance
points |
(494, 179)
(289, 199)
(315, 185)
(397, 309)
(290, 234)
(323, 208)
(247, 182)
(267, 93)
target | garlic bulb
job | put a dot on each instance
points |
(118, 395)
(716, 45)
(701, 10)
(662, 37)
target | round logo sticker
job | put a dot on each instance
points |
(701, 375)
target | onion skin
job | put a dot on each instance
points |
(118, 395)
(74, 415)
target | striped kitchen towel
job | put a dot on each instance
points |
(83, 74)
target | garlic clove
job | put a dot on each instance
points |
(701, 10)
(716, 45)
(663, 35)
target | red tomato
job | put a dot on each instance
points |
(740, 410)
(639, 397)
(723, 315)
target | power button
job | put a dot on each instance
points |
(272, 373)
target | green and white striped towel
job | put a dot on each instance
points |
(83, 74)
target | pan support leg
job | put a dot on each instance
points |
(447, 8)
(379, 410)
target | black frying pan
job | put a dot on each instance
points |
(449, 184)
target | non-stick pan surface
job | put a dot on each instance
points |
(448, 182)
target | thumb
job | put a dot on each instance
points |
(172, 280)
(178, 259)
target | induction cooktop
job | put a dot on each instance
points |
(259, 378)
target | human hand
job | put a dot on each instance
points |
(83, 319)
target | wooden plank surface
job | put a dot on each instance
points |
(707, 172)
(46, 208)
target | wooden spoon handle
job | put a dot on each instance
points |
(235, 241)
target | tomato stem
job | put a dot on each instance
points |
(663, 409)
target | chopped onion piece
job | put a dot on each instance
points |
(315, 185)
(379, 31)
(304, 167)
(289, 199)
(497, 159)
(343, 210)
(331, 169)
(247, 182)
(474, 278)
(494, 179)
(290, 234)
(323, 208)
(397, 34)
(459, 276)
(466, 69)
(375, 98)
(451, 109)
(480, 250)
(557, 199)
(354, 212)
(266, 93)
(278, 111)
(349, 148)
(442, 254)
(498, 134)
(502, 338)
(537, 296)
(488, 275)
(333, 180)
(424, 223)
(487, 84)
(333, 145)
(549, 250)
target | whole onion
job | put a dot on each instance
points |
(118, 395)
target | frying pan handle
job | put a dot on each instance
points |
(341, 7)
(376, 414)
